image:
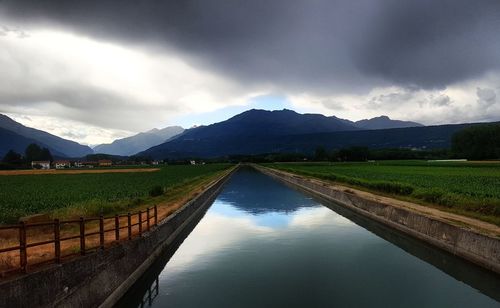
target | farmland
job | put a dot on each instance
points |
(93, 193)
(471, 189)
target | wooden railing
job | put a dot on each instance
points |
(135, 225)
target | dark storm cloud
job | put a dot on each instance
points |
(432, 43)
(316, 45)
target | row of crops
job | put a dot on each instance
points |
(469, 188)
(22, 195)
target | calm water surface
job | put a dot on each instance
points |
(264, 244)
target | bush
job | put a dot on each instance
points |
(156, 191)
(431, 196)
(393, 188)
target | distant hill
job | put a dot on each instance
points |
(384, 122)
(12, 141)
(58, 146)
(279, 122)
(429, 137)
(260, 131)
(140, 142)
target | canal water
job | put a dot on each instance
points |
(264, 244)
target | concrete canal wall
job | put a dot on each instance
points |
(101, 278)
(482, 249)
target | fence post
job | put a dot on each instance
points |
(23, 262)
(117, 227)
(140, 223)
(82, 236)
(156, 215)
(148, 217)
(129, 226)
(101, 231)
(57, 240)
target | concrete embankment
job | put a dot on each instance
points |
(101, 278)
(454, 237)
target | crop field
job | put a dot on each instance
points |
(76, 171)
(22, 195)
(468, 188)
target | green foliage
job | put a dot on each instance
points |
(355, 153)
(22, 195)
(320, 154)
(35, 152)
(465, 187)
(478, 142)
(156, 191)
(352, 154)
(12, 157)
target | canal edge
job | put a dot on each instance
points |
(208, 197)
(99, 278)
(478, 248)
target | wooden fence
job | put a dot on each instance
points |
(134, 225)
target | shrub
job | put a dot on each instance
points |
(156, 191)
(431, 196)
(393, 188)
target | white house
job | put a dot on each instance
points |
(61, 164)
(40, 164)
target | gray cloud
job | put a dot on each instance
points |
(320, 45)
(486, 97)
(390, 99)
(441, 100)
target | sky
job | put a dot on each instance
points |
(96, 70)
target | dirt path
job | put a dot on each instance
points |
(75, 171)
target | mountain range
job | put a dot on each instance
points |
(251, 132)
(261, 131)
(15, 136)
(137, 143)
(384, 122)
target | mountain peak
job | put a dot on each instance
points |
(139, 142)
(384, 122)
(56, 145)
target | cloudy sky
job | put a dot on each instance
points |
(95, 70)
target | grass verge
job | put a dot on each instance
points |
(469, 190)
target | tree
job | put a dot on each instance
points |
(12, 157)
(353, 154)
(34, 152)
(320, 154)
(477, 142)
(46, 155)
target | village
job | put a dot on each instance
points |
(101, 163)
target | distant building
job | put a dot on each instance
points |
(155, 162)
(105, 163)
(86, 164)
(40, 164)
(62, 164)
(193, 162)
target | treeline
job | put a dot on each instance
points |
(33, 152)
(478, 142)
(345, 154)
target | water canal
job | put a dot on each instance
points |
(264, 244)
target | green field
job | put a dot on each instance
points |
(22, 195)
(468, 188)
